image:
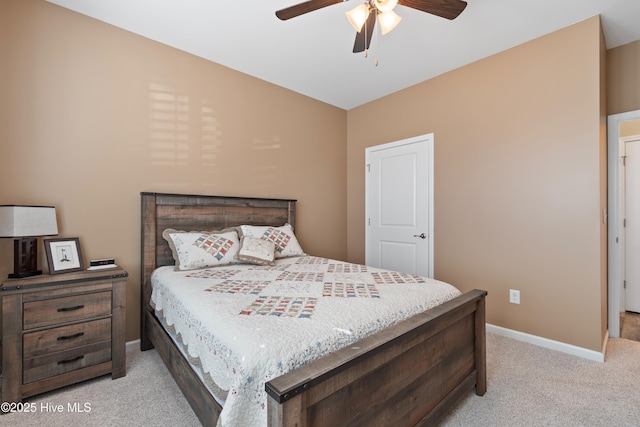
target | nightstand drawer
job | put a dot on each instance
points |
(42, 367)
(66, 309)
(57, 339)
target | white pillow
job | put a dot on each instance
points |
(254, 250)
(283, 237)
(200, 249)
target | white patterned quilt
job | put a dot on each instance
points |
(247, 324)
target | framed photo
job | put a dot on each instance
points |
(63, 255)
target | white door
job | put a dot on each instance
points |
(632, 225)
(399, 206)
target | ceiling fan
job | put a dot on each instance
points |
(364, 16)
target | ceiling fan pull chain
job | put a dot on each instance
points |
(366, 45)
(375, 41)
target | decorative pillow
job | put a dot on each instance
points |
(200, 249)
(254, 250)
(283, 237)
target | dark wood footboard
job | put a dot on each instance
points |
(409, 374)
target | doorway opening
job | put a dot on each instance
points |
(622, 128)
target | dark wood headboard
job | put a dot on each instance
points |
(198, 213)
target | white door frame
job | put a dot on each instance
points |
(614, 230)
(429, 137)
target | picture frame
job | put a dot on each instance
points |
(63, 255)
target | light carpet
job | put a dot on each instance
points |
(533, 386)
(527, 386)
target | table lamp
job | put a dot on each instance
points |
(25, 223)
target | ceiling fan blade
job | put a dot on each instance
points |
(449, 9)
(302, 8)
(363, 38)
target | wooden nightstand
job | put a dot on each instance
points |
(61, 329)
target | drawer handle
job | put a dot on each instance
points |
(75, 359)
(77, 307)
(70, 337)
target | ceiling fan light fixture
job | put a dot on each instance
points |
(388, 21)
(385, 5)
(358, 16)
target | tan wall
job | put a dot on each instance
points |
(518, 180)
(517, 185)
(92, 115)
(623, 78)
(630, 128)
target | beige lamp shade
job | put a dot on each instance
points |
(358, 16)
(388, 21)
(28, 221)
(385, 5)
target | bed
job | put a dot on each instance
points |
(410, 373)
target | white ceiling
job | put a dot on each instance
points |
(312, 54)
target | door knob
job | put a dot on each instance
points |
(421, 235)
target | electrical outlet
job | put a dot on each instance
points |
(514, 296)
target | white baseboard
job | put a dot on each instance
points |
(547, 343)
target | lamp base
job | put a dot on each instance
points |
(25, 258)
(24, 274)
